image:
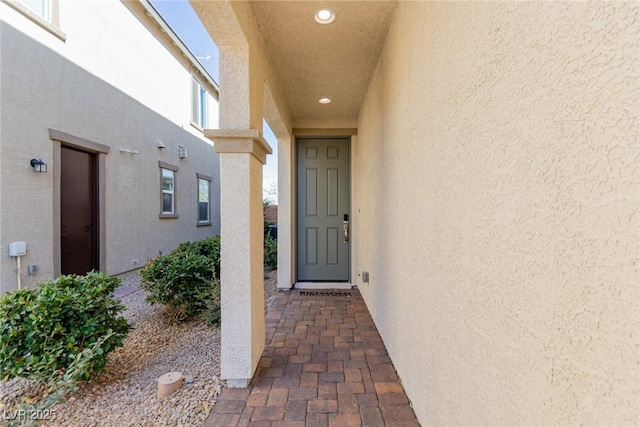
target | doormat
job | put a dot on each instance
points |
(325, 294)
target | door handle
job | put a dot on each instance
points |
(345, 227)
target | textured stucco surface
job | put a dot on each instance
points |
(250, 95)
(242, 271)
(314, 61)
(122, 95)
(253, 93)
(497, 199)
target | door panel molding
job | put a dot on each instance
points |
(323, 198)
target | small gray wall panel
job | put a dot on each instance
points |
(333, 191)
(312, 246)
(332, 246)
(312, 192)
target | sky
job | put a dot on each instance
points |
(181, 17)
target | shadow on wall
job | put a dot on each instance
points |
(41, 90)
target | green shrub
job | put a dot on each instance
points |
(209, 247)
(270, 252)
(266, 225)
(214, 312)
(70, 321)
(184, 279)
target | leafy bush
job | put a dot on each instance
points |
(214, 312)
(68, 322)
(185, 278)
(209, 247)
(270, 252)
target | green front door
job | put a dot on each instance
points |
(323, 209)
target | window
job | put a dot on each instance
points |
(204, 200)
(42, 8)
(168, 179)
(198, 104)
(42, 12)
(168, 190)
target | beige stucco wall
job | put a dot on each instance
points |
(497, 202)
(122, 95)
(249, 95)
(252, 94)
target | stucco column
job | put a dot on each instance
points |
(242, 155)
(285, 212)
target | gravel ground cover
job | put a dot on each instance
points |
(126, 393)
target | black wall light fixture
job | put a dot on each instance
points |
(38, 165)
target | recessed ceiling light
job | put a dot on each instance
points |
(324, 100)
(325, 16)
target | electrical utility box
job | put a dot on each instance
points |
(17, 249)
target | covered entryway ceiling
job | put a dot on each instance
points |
(313, 61)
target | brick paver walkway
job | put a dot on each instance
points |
(324, 365)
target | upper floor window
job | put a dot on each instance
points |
(198, 104)
(43, 12)
(42, 8)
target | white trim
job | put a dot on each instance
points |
(49, 24)
(322, 285)
(176, 41)
(199, 106)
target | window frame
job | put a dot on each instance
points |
(199, 104)
(174, 169)
(52, 24)
(45, 5)
(208, 179)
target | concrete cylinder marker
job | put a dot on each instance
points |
(169, 382)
